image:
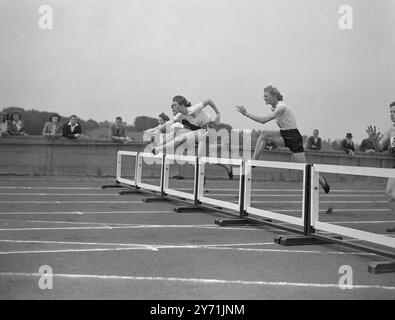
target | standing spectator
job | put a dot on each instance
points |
(52, 128)
(314, 141)
(347, 145)
(118, 131)
(72, 129)
(3, 125)
(15, 126)
(367, 145)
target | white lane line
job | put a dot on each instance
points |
(60, 194)
(146, 226)
(197, 280)
(51, 188)
(298, 195)
(187, 246)
(152, 248)
(191, 189)
(108, 225)
(288, 190)
(74, 250)
(211, 194)
(294, 251)
(223, 246)
(68, 202)
(327, 201)
(336, 210)
(80, 212)
(361, 222)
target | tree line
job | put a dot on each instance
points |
(34, 121)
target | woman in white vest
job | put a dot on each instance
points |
(197, 123)
(288, 129)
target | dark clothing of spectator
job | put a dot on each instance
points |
(69, 131)
(366, 144)
(15, 128)
(347, 146)
(313, 144)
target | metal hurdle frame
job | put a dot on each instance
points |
(216, 202)
(270, 214)
(169, 191)
(374, 267)
(119, 181)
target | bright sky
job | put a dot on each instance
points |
(105, 58)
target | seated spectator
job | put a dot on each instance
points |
(314, 141)
(367, 145)
(15, 126)
(347, 145)
(118, 132)
(52, 128)
(270, 145)
(3, 125)
(72, 129)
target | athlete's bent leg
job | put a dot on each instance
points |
(300, 157)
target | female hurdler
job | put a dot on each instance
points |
(288, 128)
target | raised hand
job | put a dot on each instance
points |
(372, 132)
(242, 110)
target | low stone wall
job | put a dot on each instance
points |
(35, 155)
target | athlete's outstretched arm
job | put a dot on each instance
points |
(259, 119)
(210, 103)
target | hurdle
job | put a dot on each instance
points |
(307, 227)
(197, 205)
(121, 182)
(303, 232)
(369, 237)
(159, 189)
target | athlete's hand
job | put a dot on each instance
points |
(242, 110)
(372, 132)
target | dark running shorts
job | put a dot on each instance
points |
(293, 140)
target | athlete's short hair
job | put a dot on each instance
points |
(274, 92)
(392, 104)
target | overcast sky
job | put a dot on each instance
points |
(106, 58)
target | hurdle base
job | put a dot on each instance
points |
(377, 267)
(301, 240)
(192, 209)
(129, 191)
(236, 222)
(156, 199)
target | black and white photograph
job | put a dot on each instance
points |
(197, 155)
